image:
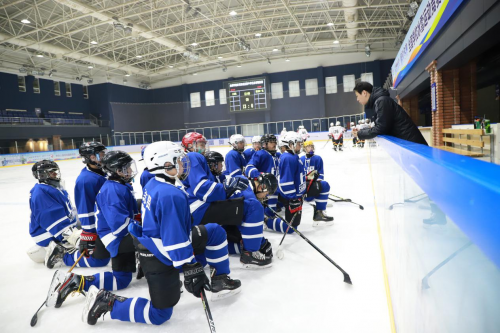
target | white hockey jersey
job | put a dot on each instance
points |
(303, 133)
(336, 132)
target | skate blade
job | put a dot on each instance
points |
(224, 294)
(89, 300)
(53, 293)
(255, 267)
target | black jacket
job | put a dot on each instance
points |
(391, 119)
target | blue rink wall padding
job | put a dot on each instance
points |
(466, 189)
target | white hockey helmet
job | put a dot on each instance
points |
(235, 139)
(337, 123)
(157, 154)
(367, 121)
(256, 139)
(331, 124)
(360, 121)
(301, 127)
(284, 129)
(289, 139)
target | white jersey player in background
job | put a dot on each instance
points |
(337, 134)
(302, 132)
(363, 124)
(283, 132)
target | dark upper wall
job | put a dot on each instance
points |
(12, 98)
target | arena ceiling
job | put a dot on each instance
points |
(154, 40)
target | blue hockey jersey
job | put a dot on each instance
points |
(291, 176)
(263, 161)
(235, 162)
(313, 163)
(115, 207)
(248, 153)
(145, 177)
(87, 186)
(167, 224)
(51, 214)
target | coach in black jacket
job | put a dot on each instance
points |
(391, 119)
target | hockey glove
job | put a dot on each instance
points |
(195, 279)
(234, 184)
(87, 243)
(72, 236)
(294, 206)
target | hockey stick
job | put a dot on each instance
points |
(279, 253)
(345, 200)
(425, 283)
(347, 278)
(34, 319)
(210, 319)
(326, 143)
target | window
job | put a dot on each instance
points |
(294, 89)
(21, 82)
(195, 100)
(222, 96)
(57, 88)
(367, 77)
(36, 85)
(68, 89)
(349, 83)
(277, 90)
(209, 98)
(311, 87)
(85, 92)
(331, 84)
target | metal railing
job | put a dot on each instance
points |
(220, 132)
(4, 120)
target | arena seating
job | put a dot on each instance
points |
(30, 118)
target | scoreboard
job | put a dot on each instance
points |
(248, 95)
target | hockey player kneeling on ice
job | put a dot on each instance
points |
(115, 209)
(167, 242)
(145, 175)
(235, 159)
(317, 188)
(256, 146)
(88, 184)
(290, 181)
(227, 204)
(53, 219)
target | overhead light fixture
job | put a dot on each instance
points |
(195, 73)
(244, 45)
(191, 55)
(330, 24)
(258, 34)
(138, 56)
(412, 11)
(233, 13)
(22, 70)
(368, 50)
(239, 65)
(170, 66)
(93, 42)
(336, 41)
(224, 68)
(90, 66)
(39, 55)
(194, 44)
(287, 60)
(275, 50)
(219, 57)
(127, 75)
(124, 81)
(90, 81)
(268, 61)
(25, 21)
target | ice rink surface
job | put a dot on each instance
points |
(301, 293)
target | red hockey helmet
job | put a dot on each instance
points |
(195, 142)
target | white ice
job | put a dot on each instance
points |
(301, 293)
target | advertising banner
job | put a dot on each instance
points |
(431, 17)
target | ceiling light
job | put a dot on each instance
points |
(93, 42)
(90, 81)
(170, 66)
(127, 74)
(124, 81)
(268, 61)
(367, 50)
(238, 65)
(194, 44)
(336, 41)
(139, 56)
(258, 34)
(195, 73)
(39, 55)
(275, 50)
(219, 57)
(25, 21)
(330, 24)
(287, 60)
(90, 67)
(233, 13)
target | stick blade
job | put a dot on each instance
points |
(347, 279)
(34, 320)
(361, 207)
(279, 253)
